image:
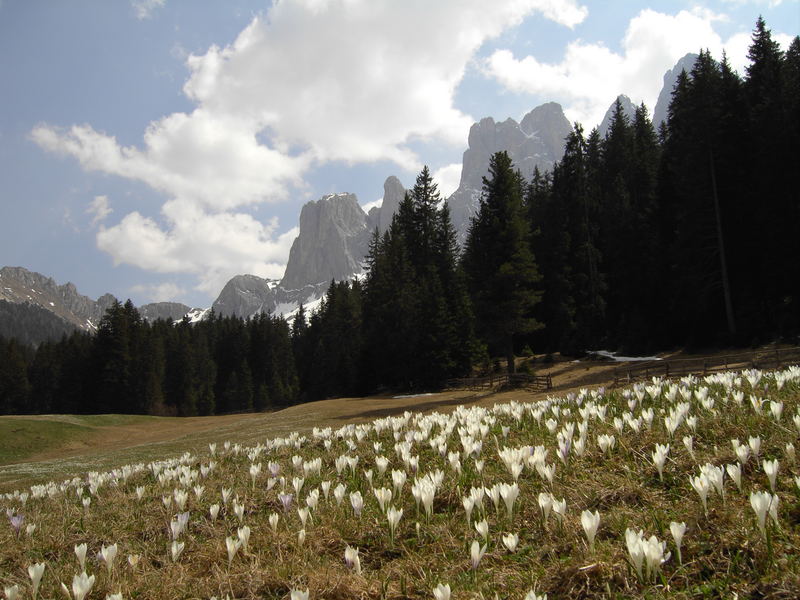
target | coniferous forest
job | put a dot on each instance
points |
(637, 241)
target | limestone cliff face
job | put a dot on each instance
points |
(20, 286)
(537, 141)
(628, 109)
(393, 194)
(670, 79)
(331, 243)
(245, 296)
(173, 311)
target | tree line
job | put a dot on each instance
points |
(637, 240)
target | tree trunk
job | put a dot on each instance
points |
(511, 366)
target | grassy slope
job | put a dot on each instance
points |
(55, 447)
(723, 552)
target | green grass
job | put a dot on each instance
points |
(23, 438)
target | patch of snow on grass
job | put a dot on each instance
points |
(613, 356)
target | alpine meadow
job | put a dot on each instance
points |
(441, 422)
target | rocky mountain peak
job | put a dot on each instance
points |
(537, 141)
(393, 194)
(245, 295)
(628, 109)
(686, 63)
(332, 241)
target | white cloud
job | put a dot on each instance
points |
(370, 205)
(160, 292)
(144, 8)
(213, 247)
(447, 178)
(99, 209)
(309, 82)
(591, 75)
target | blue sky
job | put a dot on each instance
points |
(155, 148)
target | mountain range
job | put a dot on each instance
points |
(333, 238)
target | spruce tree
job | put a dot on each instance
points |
(501, 270)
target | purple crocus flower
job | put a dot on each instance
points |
(286, 500)
(16, 522)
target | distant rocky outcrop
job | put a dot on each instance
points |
(628, 109)
(245, 295)
(331, 243)
(670, 79)
(173, 311)
(36, 309)
(380, 217)
(536, 141)
(20, 286)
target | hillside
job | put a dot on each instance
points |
(270, 505)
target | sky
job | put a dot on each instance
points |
(153, 149)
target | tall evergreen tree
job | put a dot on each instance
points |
(501, 270)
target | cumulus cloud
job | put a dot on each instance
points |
(308, 82)
(447, 178)
(99, 209)
(144, 8)
(591, 75)
(213, 247)
(159, 292)
(370, 205)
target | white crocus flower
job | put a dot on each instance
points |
(590, 522)
(560, 509)
(482, 527)
(109, 553)
(357, 502)
(80, 552)
(299, 595)
(659, 458)
(12, 592)
(176, 549)
(393, 515)
(510, 541)
(273, 521)
(545, 504)
(509, 493)
(384, 497)
(688, 442)
(352, 560)
(734, 471)
(633, 541)
(771, 470)
(442, 591)
(760, 502)
(244, 536)
(35, 571)
(81, 585)
(476, 554)
(677, 530)
(233, 546)
(468, 503)
(701, 485)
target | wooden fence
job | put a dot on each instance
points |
(520, 380)
(774, 358)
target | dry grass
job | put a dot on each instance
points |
(723, 553)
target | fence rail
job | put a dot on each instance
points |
(523, 380)
(774, 358)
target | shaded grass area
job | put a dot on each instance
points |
(22, 438)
